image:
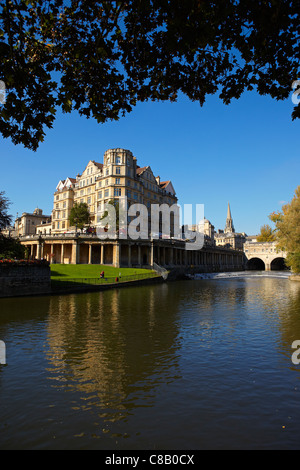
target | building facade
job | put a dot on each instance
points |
(118, 176)
(27, 223)
(228, 237)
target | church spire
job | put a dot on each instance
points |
(229, 222)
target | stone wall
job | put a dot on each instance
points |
(18, 280)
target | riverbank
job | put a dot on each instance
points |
(78, 285)
(26, 280)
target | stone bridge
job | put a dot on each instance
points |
(264, 256)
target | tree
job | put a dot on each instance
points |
(5, 218)
(80, 215)
(266, 234)
(116, 205)
(9, 247)
(102, 57)
(287, 229)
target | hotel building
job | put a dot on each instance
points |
(118, 176)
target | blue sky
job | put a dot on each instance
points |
(246, 153)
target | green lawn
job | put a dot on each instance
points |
(68, 276)
(72, 271)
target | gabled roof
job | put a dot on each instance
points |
(164, 184)
(168, 186)
(99, 165)
(140, 170)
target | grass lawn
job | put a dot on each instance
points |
(72, 271)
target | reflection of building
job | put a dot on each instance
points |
(117, 177)
(118, 347)
(228, 237)
(27, 223)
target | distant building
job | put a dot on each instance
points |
(207, 229)
(26, 224)
(228, 237)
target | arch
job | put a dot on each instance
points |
(256, 264)
(278, 264)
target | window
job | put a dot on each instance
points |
(118, 181)
(99, 194)
(106, 193)
(135, 196)
(128, 193)
(117, 192)
(106, 182)
(89, 200)
(118, 160)
(118, 170)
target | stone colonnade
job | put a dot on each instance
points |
(129, 253)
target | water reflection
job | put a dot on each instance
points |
(114, 348)
(197, 364)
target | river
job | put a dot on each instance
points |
(199, 364)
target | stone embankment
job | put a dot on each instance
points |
(17, 279)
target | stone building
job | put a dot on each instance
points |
(228, 237)
(119, 175)
(27, 223)
(207, 229)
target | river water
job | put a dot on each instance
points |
(199, 364)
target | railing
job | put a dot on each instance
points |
(62, 284)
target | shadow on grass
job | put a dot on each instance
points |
(57, 273)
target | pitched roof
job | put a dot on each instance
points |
(99, 165)
(140, 170)
(164, 184)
